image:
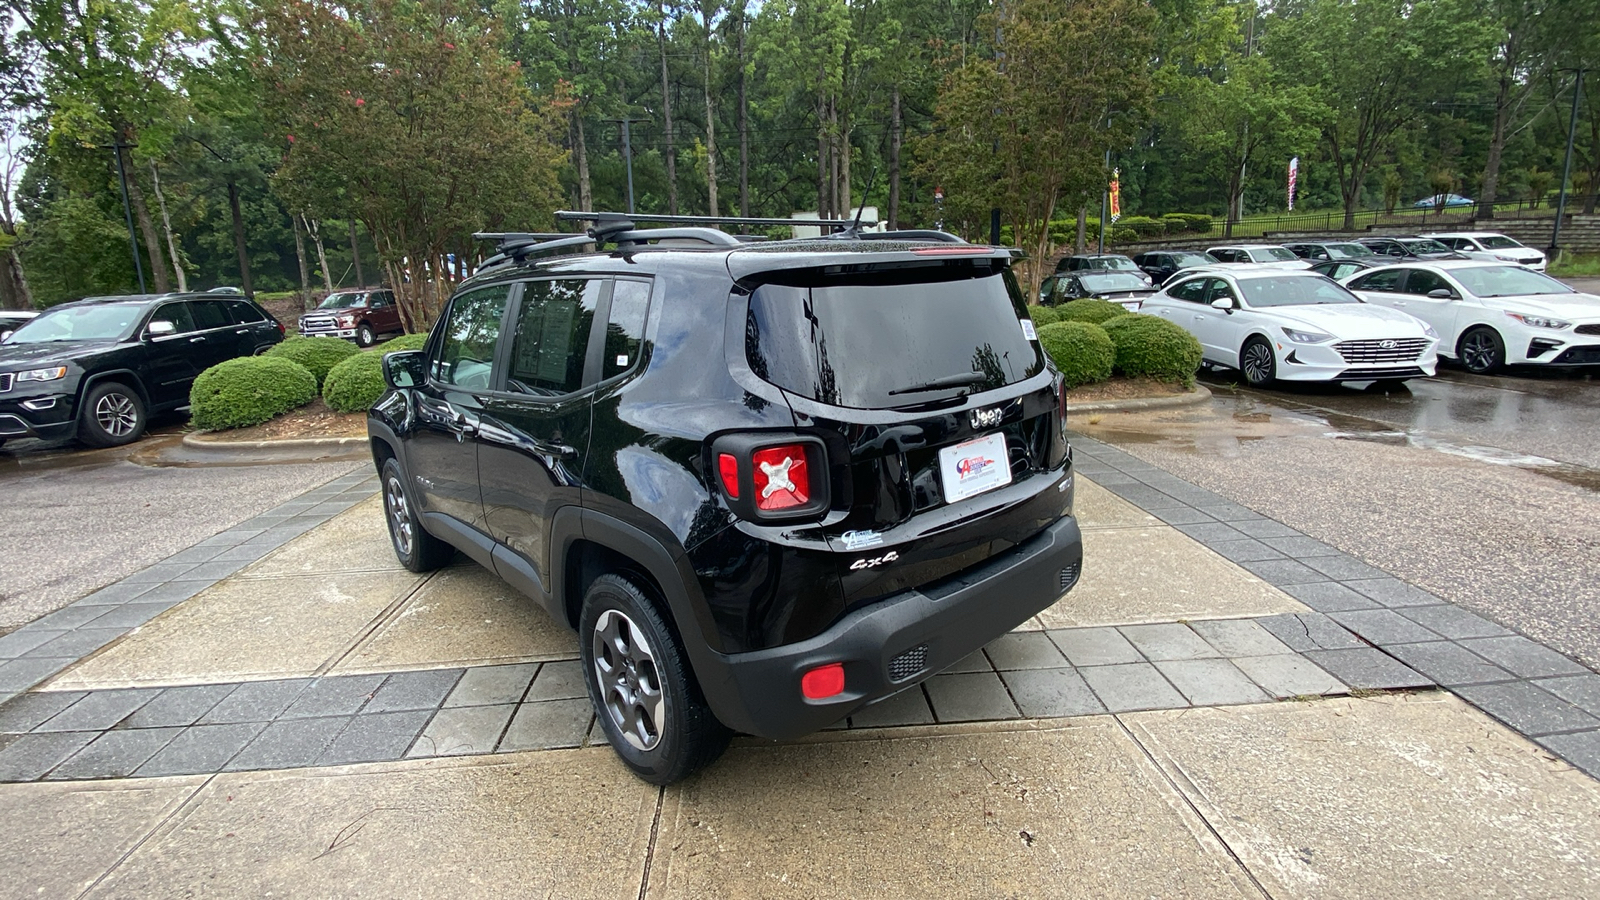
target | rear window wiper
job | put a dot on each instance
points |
(963, 379)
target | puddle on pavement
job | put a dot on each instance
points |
(1578, 476)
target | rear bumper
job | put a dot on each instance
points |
(896, 643)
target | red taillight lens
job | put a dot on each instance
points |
(823, 682)
(729, 469)
(782, 477)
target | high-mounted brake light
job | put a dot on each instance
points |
(823, 682)
(728, 466)
(782, 478)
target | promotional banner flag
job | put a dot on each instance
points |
(1116, 194)
(1294, 175)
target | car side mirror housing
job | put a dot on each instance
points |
(160, 328)
(404, 369)
(1223, 303)
(1442, 294)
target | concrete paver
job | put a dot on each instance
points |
(1096, 507)
(970, 697)
(909, 707)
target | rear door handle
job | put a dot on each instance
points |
(196, 340)
(464, 426)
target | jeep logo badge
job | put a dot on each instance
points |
(1388, 345)
(986, 418)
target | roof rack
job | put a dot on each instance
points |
(582, 216)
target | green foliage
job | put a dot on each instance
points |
(1082, 351)
(318, 354)
(403, 342)
(1539, 182)
(1043, 315)
(248, 391)
(1089, 309)
(1152, 346)
(1122, 235)
(1182, 223)
(355, 383)
(1144, 225)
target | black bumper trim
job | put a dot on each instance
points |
(759, 692)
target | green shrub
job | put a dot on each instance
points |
(1089, 309)
(1121, 235)
(1198, 223)
(1082, 351)
(1043, 315)
(1150, 345)
(248, 391)
(403, 342)
(317, 354)
(355, 383)
(1144, 225)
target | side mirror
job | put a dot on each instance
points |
(6, 335)
(1442, 294)
(1223, 303)
(404, 369)
(160, 328)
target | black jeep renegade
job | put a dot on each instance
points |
(768, 483)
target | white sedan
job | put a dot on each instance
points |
(1489, 315)
(1275, 324)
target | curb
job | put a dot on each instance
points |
(1200, 395)
(193, 441)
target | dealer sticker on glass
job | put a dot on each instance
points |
(974, 467)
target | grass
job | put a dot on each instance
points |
(1577, 265)
(268, 296)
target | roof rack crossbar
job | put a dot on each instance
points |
(580, 216)
(642, 236)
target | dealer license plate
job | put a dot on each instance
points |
(978, 465)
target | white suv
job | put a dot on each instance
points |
(1491, 247)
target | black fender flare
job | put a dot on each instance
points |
(125, 376)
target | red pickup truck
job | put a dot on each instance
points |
(360, 316)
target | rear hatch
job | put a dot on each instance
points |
(941, 414)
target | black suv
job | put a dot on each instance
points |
(768, 483)
(98, 368)
(1408, 247)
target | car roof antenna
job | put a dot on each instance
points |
(855, 226)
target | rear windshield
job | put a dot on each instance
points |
(891, 338)
(1272, 254)
(1498, 243)
(1346, 251)
(1113, 281)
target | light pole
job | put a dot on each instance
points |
(627, 154)
(117, 147)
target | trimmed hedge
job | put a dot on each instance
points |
(317, 354)
(1089, 309)
(355, 383)
(249, 390)
(1043, 315)
(1082, 351)
(403, 342)
(1144, 225)
(1150, 345)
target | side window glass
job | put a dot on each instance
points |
(1218, 290)
(1384, 282)
(244, 313)
(630, 302)
(1421, 281)
(466, 353)
(1193, 291)
(552, 336)
(209, 314)
(176, 313)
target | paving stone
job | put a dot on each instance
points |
(1238, 637)
(1523, 657)
(1581, 749)
(1132, 687)
(1448, 663)
(201, 749)
(909, 707)
(1024, 650)
(115, 754)
(1393, 592)
(215, 570)
(99, 710)
(1583, 691)
(1170, 640)
(159, 573)
(1343, 567)
(1451, 621)
(492, 685)
(1266, 528)
(131, 615)
(1329, 597)
(26, 757)
(1309, 631)
(194, 555)
(970, 697)
(1289, 675)
(342, 695)
(972, 662)
(19, 642)
(76, 644)
(1094, 646)
(115, 594)
(1146, 498)
(1212, 532)
(1301, 547)
(256, 701)
(1181, 515)
(18, 675)
(180, 705)
(1232, 513)
(1210, 682)
(1281, 572)
(70, 617)
(1050, 693)
(559, 681)
(375, 737)
(1245, 550)
(288, 744)
(1383, 627)
(1114, 477)
(547, 725)
(406, 691)
(1527, 708)
(29, 711)
(463, 730)
(246, 553)
(1368, 668)
(174, 592)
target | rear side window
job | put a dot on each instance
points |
(887, 338)
(630, 302)
(1421, 281)
(178, 314)
(245, 313)
(209, 314)
(466, 352)
(1386, 282)
(552, 336)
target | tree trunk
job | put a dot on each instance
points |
(894, 160)
(355, 254)
(833, 158)
(666, 112)
(315, 227)
(846, 194)
(581, 146)
(1594, 164)
(238, 241)
(300, 256)
(822, 145)
(1083, 226)
(166, 226)
(711, 117)
(744, 127)
(152, 241)
(1497, 146)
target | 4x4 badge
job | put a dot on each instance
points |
(889, 557)
(986, 418)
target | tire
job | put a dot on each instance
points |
(1481, 351)
(643, 691)
(416, 549)
(112, 414)
(365, 336)
(1257, 363)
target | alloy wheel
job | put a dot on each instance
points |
(629, 683)
(116, 415)
(1257, 363)
(400, 524)
(1478, 352)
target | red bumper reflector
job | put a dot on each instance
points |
(823, 682)
(729, 468)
